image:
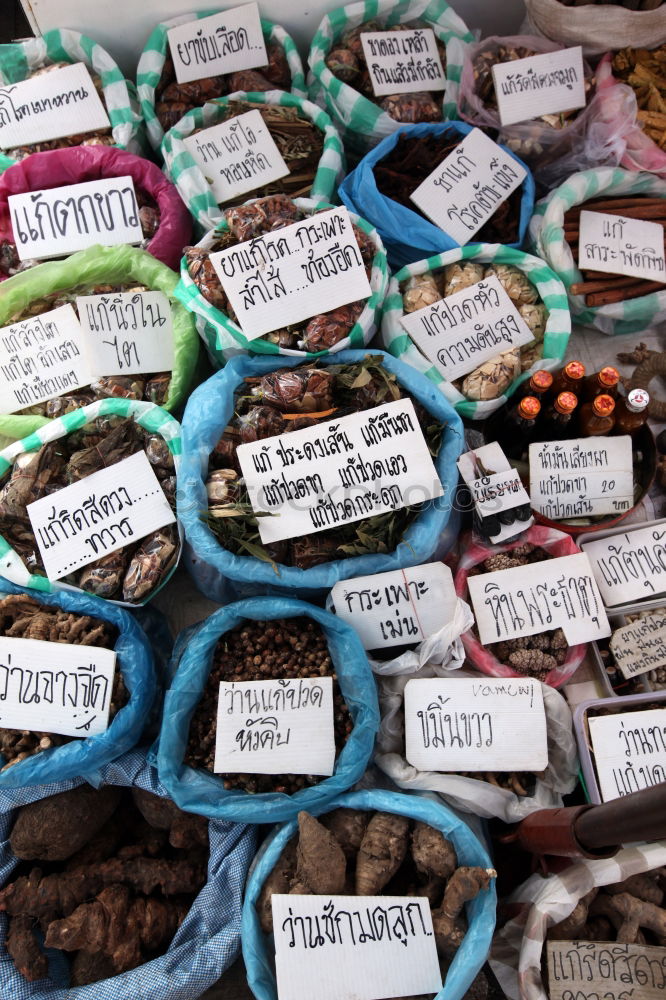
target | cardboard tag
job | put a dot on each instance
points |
(275, 727)
(630, 566)
(335, 473)
(462, 331)
(127, 333)
(107, 510)
(292, 274)
(629, 751)
(480, 724)
(618, 245)
(237, 156)
(59, 221)
(496, 489)
(403, 62)
(526, 600)
(592, 970)
(354, 947)
(641, 645)
(41, 358)
(222, 43)
(468, 186)
(403, 606)
(55, 687)
(540, 85)
(582, 477)
(49, 106)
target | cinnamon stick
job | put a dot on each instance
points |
(610, 281)
(614, 295)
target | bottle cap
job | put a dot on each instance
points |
(637, 400)
(575, 370)
(541, 380)
(566, 402)
(609, 377)
(529, 407)
(603, 405)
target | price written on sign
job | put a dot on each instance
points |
(629, 751)
(581, 477)
(465, 190)
(591, 970)
(365, 464)
(618, 245)
(127, 332)
(462, 331)
(641, 645)
(630, 565)
(495, 487)
(403, 62)
(540, 85)
(222, 43)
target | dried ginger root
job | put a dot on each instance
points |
(381, 853)
(569, 928)
(448, 922)
(24, 950)
(320, 861)
(348, 826)
(434, 855)
(54, 828)
(628, 915)
(279, 881)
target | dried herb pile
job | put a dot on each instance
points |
(645, 71)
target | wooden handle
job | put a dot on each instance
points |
(636, 817)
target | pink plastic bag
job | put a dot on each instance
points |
(77, 164)
(554, 542)
(641, 152)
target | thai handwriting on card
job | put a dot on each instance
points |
(581, 477)
(629, 751)
(403, 62)
(50, 105)
(55, 687)
(462, 331)
(595, 970)
(293, 273)
(222, 43)
(619, 245)
(640, 645)
(237, 156)
(127, 332)
(495, 486)
(465, 190)
(114, 507)
(275, 727)
(41, 357)
(527, 600)
(630, 565)
(540, 85)
(354, 947)
(316, 478)
(480, 724)
(59, 221)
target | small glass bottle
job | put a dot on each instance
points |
(537, 385)
(557, 419)
(597, 417)
(518, 426)
(568, 379)
(631, 412)
(604, 381)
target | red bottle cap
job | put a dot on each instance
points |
(609, 376)
(603, 405)
(566, 402)
(541, 380)
(529, 407)
(575, 370)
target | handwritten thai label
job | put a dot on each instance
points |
(630, 566)
(462, 331)
(540, 85)
(526, 600)
(482, 724)
(403, 62)
(629, 751)
(641, 645)
(294, 273)
(59, 221)
(581, 477)
(275, 727)
(465, 190)
(40, 358)
(618, 245)
(127, 332)
(354, 947)
(495, 486)
(365, 464)
(404, 606)
(594, 970)
(49, 106)
(55, 687)
(222, 43)
(97, 515)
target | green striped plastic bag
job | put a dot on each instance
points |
(547, 236)
(551, 290)
(188, 177)
(153, 57)
(224, 339)
(362, 123)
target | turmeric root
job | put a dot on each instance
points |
(54, 828)
(348, 827)
(46, 897)
(570, 928)
(643, 886)
(629, 914)
(381, 853)
(24, 950)
(434, 855)
(278, 881)
(320, 861)
(448, 923)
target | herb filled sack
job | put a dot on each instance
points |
(645, 71)
(618, 25)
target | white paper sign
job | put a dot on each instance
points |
(596, 970)
(127, 332)
(495, 486)
(292, 274)
(55, 687)
(107, 510)
(275, 727)
(480, 724)
(630, 566)
(465, 190)
(403, 62)
(222, 43)
(618, 245)
(641, 645)
(540, 85)
(361, 465)
(526, 600)
(582, 477)
(237, 156)
(49, 106)
(403, 606)
(59, 221)
(462, 331)
(629, 751)
(360, 948)
(41, 358)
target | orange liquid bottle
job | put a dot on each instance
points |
(537, 385)
(604, 381)
(597, 417)
(631, 412)
(568, 379)
(557, 420)
(518, 426)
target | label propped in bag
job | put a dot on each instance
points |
(227, 42)
(403, 62)
(540, 85)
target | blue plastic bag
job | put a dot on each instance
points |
(134, 658)
(205, 944)
(201, 792)
(408, 236)
(213, 568)
(257, 947)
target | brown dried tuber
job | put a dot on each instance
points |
(348, 827)
(54, 828)
(381, 853)
(448, 922)
(279, 881)
(434, 855)
(320, 861)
